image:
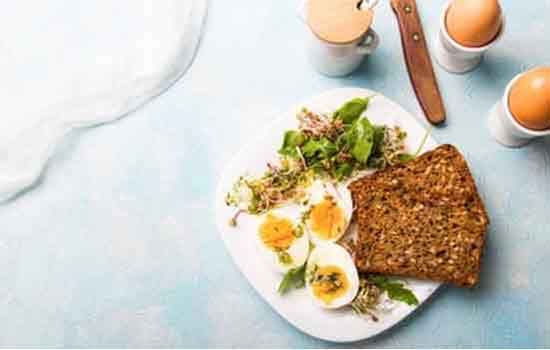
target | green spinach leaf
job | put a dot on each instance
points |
(322, 148)
(291, 140)
(361, 140)
(351, 110)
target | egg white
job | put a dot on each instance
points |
(332, 254)
(298, 250)
(342, 196)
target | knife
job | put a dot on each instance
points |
(419, 64)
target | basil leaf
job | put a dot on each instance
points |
(351, 110)
(291, 140)
(294, 279)
(361, 140)
(396, 290)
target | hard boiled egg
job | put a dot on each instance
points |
(329, 210)
(282, 238)
(529, 99)
(473, 23)
(331, 276)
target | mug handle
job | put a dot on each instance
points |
(369, 43)
(368, 4)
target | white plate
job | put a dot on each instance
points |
(296, 307)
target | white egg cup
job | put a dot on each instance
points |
(337, 60)
(454, 57)
(505, 128)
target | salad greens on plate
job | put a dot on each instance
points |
(332, 147)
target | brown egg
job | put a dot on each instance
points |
(473, 23)
(529, 99)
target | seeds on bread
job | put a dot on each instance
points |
(422, 219)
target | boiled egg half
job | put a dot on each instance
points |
(328, 212)
(283, 239)
(331, 276)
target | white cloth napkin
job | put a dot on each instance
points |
(71, 64)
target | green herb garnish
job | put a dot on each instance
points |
(284, 257)
(405, 157)
(378, 138)
(312, 270)
(298, 231)
(396, 290)
(331, 281)
(293, 279)
(367, 298)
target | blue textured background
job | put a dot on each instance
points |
(118, 247)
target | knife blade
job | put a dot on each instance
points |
(417, 58)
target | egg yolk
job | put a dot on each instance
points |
(327, 219)
(329, 283)
(277, 233)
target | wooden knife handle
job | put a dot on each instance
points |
(418, 60)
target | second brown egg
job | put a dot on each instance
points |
(529, 99)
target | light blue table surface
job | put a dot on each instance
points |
(118, 247)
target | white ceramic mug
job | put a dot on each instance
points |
(454, 57)
(505, 128)
(336, 60)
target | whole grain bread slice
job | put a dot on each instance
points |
(423, 219)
